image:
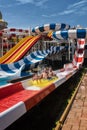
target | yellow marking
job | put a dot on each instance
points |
(43, 82)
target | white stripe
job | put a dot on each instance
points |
(57, 27)
(72, 34)
(79, 55)
(80, 46)
(59, 82)
(61, 47)
(27, 84)
(38, 56)
(12, 114)
(37, 29)
(58, 35)
(33, 88)
(45, 53)
(41, 53)
(21, 62)
(29, 58)
(11, 66)
(47, 27)
(67, 27)
(35, 61)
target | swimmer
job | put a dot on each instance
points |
(51, 73)
(35, 77)
(44, 74)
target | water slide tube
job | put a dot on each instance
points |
(25, 44)
(20, 53)
(13, 50)
(63, 32)
(18, 98)
(46, 28)
(15, 69)
(80, 35)
(19, 50)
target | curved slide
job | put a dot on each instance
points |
(20, 97)
(14, 69)
(19, 50)
(80, 35)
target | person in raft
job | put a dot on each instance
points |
(47, 73)
(51, 73)
(35, 77)
(44, 73)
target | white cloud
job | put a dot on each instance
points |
(25, 1)
(50, 15)
(41, 2)
(67, 12)
(79, 8)
(35, 2)
(8, 5)
(76, 8)
(78, 4)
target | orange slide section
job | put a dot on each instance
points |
(19, 50)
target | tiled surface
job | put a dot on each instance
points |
(77, 117)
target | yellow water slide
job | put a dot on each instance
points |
(19, 50)
(13, 50)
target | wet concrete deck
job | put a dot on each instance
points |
(77, 116)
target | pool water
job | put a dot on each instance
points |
(4, 81)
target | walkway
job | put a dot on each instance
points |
(77, 116)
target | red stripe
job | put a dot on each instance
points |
(13, 99)
(20, 30)
(13, 35)
(30, 45)
(30, 102)
(12, 29)
(80, 51)
(1, 34)
(78, 59)
(68, 75)
(15, 93)
(11, 89)
(81, 42)
(26, 31)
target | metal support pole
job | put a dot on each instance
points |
(69, 50)
(2, 46)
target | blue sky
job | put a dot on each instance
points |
(31, 13)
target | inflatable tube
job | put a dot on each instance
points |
(48, 27)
